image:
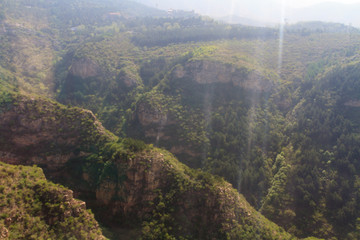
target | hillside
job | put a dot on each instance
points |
(125, 180)
(225, 106)
(33, 208)
(275, 115)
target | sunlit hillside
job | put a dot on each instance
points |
(172, 125)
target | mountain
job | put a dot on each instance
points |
(210, 125)
(267, 11)
(124, 181)
(234, 19)
(257, 9)
(320, 27)
(327, 12)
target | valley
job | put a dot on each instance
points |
(180, 127)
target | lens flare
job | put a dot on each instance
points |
(281, 36)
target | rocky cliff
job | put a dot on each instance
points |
(42, 132)
(84, 68)
(125, 181)
(208, 72)
(177, 112)
(172, 198)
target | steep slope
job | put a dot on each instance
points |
(125, 181)
(242, 107)
(37, 35)
(220, 106)
(247, 135)
(316, 175)
(28, 47)
(42, 132)
(33, 208)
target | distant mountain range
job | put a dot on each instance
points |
(327, 12)
(234, 19)
(259, 13)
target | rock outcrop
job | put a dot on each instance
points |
(194, 83)
(197, 204)
(208, 72)
(42, 132)
(148, 115)
(128, 180)
(84, 68)
(145, 173)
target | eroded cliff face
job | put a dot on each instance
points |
(84, 68)
(145, 174)
(38, 131)
(148, 114)
(163, 127)
(208, 72)
(189, 92)
(195, 204)
(129, 181)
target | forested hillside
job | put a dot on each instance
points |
(137, 188)
(33, 208)
(275, 115)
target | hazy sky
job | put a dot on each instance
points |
(246, 7)
(304, 3)
(270, 11)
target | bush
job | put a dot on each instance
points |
(134, 145)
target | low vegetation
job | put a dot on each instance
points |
(33, 208)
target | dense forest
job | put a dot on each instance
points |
(279, 123)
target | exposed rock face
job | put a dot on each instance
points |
(36, 131)
(145, 173)
(207, 72)
(203, 206)
(148, 115)
(161, 126)
(129, 79)
(155, 122)
(140, 185)
(158, 125)
(84, 68)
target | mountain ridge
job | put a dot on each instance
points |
(278, 121)
(138, 182)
